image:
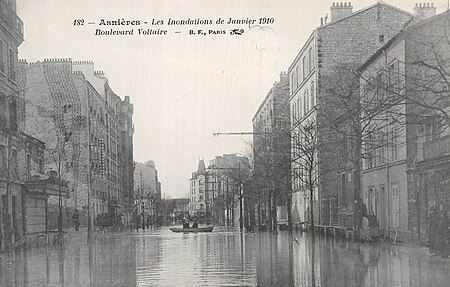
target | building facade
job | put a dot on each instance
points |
(271, 152)
(25, 185)
(197, 204)
(351, 38)
(147, 190)
(229, 188)
(406, 176)
(87, 130)
(216, 191)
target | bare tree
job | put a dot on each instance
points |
(363, 116)
(428, 80)
(271, 173)
(306, 146)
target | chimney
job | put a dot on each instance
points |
(424, 10)
(340, 10)
(284, 77)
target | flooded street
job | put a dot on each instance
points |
(222, 258)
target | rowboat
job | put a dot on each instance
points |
(194, 230)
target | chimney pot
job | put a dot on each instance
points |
(424, 10)
(340, 10)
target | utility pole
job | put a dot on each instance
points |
(142, 202)
(206, 198)
(241, 195)
(228, 205)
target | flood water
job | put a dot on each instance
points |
(222, 258)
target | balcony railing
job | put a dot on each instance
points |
(437, 148)
(8, 15)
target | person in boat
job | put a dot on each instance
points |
(195, 224)
(185, 223)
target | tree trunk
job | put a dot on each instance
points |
(270, 210)
(311, 209)
(289, 214)
(274, 212)
(259, 212)
(357, 176)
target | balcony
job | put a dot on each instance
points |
(436, 148)
(9, 16)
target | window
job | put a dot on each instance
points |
(343, 189)
(307, 101)
(312, 95)
(292, 82)
(304, 105)
(394, 144)
(3, 165)
(12, 64)
(13, 114)
(395, 206)
(394, 77)
(369, 160)
(379, 88)
(310, 58)
(395, 191)
(3, 121)
(369, 197)
(382, 149)
(14, 165)
(2, 61)
(28, 165)
(304, 67)
(41, 165)
(293, 113)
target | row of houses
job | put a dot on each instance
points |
(363, 115)
(216, 190)
(66, 140)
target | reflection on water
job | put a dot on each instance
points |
(221, 258)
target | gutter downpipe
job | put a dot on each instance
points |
(388, 189)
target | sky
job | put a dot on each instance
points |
(183, 87)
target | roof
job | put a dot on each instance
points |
(342, 19)
(401, 35)
(381, 3)
(271, 92)
(201, 169)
